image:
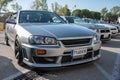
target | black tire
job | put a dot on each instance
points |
(18, 52)
(6, 40)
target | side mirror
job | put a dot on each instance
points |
(11, 21)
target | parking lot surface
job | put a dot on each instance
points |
(106, 68)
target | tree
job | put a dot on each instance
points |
(3, 4)
(104, 11)
(95, 15)
(40, 5)
(111, 17)
(77, 12)
(85, 13)
(64, 11)
(16, 7)
(55, 7)
(115, 10)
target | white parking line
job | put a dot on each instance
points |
(11, 77)
(116, 70)
(103, 71)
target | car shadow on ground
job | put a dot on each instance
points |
(6, 67)
(8, 71)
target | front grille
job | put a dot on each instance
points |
(45, 60)
(105, 31)
(76, 42)
(113, 29)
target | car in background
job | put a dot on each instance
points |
(103, 31)
(44, 39)
(116, 25)
(113, 29)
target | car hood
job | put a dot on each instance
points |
(57, 30)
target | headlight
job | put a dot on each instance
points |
(96, 38)
(42, 40)
(49, 40)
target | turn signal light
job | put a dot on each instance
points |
(40, 52)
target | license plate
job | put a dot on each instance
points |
(79, 52)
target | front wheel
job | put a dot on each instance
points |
(18, 53)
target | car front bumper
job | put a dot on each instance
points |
(114, 32)
(105, 36)
(57, 56)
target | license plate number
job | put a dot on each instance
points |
(79, 52)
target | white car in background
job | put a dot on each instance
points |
(113, 29)
(117, 26)
(104, 32)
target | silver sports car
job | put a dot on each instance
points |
(43, 39)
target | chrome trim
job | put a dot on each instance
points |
(70, 38)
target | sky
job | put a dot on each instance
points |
(93, 5)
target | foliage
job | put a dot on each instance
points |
(111, 15)
(40, 5)
(64, 11)
(77, 12)
(104, 12)
(16, 7)
(55, 7)
(95, 15)
(85, 13)
(115, 10)
(3, 4)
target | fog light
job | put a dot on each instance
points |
(40, 52)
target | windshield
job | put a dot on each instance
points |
(39, 17)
